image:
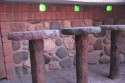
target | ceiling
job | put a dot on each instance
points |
(87, 2)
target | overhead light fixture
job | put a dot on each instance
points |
(77, 8)
(109, 8)
(42, 7)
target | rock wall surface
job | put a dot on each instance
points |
(60, 52)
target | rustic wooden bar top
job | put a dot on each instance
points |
(113, 27)
(80, 30)
(32, 35)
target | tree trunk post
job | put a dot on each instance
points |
(115, 54)
(37, 61)
(81, 58)
(36, 50)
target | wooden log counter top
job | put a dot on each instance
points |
(36, 50)
(81, 40)
(116, 31)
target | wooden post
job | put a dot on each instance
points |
(115, 54)
(37, 61)
(36, 50)
(81, 40)
(81, 58)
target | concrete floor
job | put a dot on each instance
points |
(97, 74)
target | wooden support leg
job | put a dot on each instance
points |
(81, 58)
(115, 54)
(37, 61)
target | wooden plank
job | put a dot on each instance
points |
(32, 35)
(80, 30)
(113, 27)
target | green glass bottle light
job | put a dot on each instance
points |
(77, 8)
(109, 8)
(42, 7)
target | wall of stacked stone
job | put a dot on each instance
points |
(60, 52)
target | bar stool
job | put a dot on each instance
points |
(116, 31)
(81, 40)
(36, 50)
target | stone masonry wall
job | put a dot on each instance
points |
(60, 52)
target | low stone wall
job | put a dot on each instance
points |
(60, 52)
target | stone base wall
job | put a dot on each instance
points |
(60, 52)
(25, 16)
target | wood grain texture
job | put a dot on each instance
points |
(32, 35)
(81, 58)
(37, 61)
(113, 27)
(80, 30)
(115, 54)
